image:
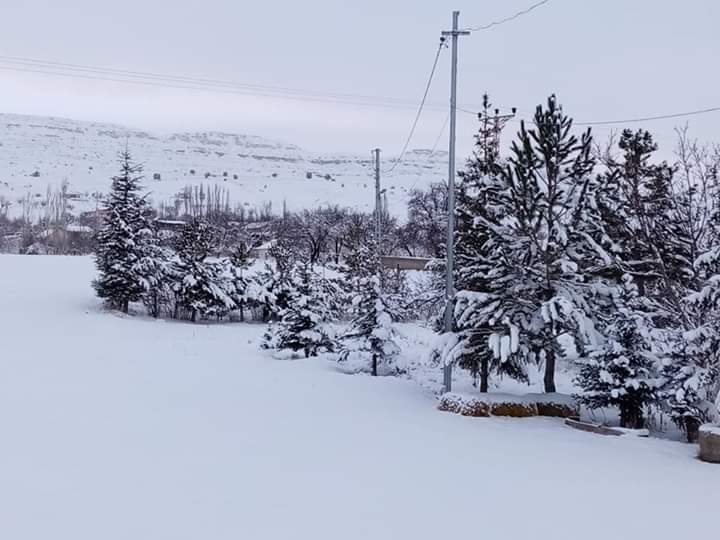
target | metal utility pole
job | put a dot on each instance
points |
(378, 207)
(449, 249)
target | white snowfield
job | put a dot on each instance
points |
(39, 152)
(124, 428)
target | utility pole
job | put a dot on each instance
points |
(378, 209)
(450, 247)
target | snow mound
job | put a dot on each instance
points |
(518, 406)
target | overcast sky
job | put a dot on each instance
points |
(606, 59)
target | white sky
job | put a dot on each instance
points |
(606, 59)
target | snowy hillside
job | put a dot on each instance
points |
(38, 152)
(120, 428)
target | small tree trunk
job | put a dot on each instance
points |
(193, 317)
(692, 429)
(631, 416)
(549, 378)
(374, 365)
(484, 374)
(126, 306)
(623, 416)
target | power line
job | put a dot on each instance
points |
(508, 19)
(649, 118)
(437, 141)
(420, 109)
(88, 72)
(218, 89)
(631, 120)
(474, 113)
(434, 148)
(196, 81)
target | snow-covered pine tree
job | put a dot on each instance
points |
(121, 243)
(274, 279)
(371, 340)
(539, 246)
(199, 283)
(328, 286)
(692, 369)
(692, 366)
(622, 372)
(358, 234)
(155, 268)
(397, 293)
(644, 230)
(302, 323)
(692, 375)
(471, 346)
(239, 264)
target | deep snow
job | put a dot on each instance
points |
(126, 428)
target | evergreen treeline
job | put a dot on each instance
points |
(612, 264)
(564, 255)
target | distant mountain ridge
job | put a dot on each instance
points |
(41, 152)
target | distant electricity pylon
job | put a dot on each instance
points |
(491, 125)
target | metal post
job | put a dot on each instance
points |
(449, 249)
(378, 206)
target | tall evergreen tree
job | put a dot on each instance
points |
(472, 327)
(122, 241)
(692, 369)
(653, 228)
(643, 228)
(538, 246)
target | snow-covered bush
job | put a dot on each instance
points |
(691, 382)
(622, 372)
(302, 324)
(201, 286)
(371, 341)
(155, 268)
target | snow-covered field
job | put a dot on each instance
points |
(40, 152)
(122, 428)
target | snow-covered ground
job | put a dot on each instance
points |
(39, 152)
(120, 428)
